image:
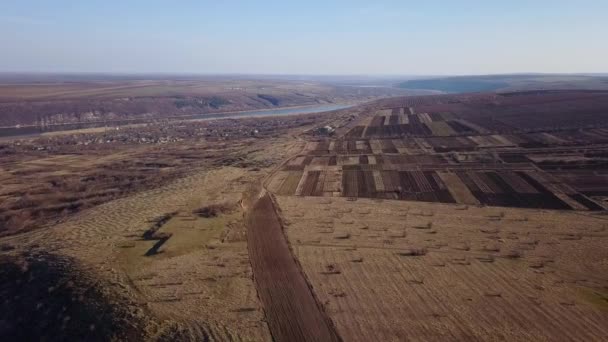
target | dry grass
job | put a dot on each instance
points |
(43, 187)
(485, 272)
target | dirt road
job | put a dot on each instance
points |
(292, 312)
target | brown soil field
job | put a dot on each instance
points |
(293, 313)
(415, 271)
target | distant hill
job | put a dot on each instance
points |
(467, 84)
(455, 84)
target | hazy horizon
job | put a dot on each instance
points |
(340, 38)
(253, 74)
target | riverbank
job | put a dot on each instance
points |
(9, 133)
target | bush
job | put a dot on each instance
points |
(213, 210)
(413, 252)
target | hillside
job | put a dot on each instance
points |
(466, 84)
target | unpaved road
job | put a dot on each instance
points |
(292, 312)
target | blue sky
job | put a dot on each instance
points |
(304, 37)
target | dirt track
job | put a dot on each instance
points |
(291, 310)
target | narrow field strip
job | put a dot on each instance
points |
(292, 312)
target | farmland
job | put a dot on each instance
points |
(469, 217)
(449, 217)
(147, 221)
(395, 270)
(442, 149)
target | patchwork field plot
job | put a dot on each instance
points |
(467, 149)
(520, 187)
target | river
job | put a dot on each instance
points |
(32, 131)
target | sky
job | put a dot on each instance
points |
(430, 37)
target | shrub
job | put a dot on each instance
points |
(413, 252)
(213, 210)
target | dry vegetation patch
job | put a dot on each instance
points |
(214, 210)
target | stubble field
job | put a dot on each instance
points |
(395, 271)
